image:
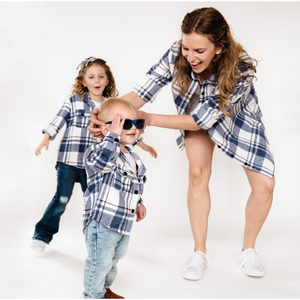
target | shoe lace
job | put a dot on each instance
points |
(196, 259)
(251, 256)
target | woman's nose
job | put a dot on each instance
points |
(190, 57)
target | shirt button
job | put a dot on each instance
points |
(136, 191)
(232, 155)
(202, 93)
(219, 146)
(82, 114)
(245, 164)
(133, 211)
(116, 140)
(125, 173)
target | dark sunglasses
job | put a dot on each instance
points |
(138, 123)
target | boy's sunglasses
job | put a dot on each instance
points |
(139, 123)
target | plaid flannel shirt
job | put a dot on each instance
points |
(113, 191)
(76, 113)
(242, 137)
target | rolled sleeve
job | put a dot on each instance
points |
(207, 114)
(101, 157)
(157, 77)
(140, 138)
(59, 120)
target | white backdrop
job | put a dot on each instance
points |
(42, 43)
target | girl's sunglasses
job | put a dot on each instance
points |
(138, 123)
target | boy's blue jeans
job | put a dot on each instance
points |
(105, 248)
(66, 177)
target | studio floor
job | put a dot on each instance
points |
(150, 269)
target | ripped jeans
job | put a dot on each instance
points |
(66, 177)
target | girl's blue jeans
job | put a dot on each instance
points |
(66, 177)
(105, 248)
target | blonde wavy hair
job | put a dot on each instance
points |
(109, 91)
(106, 105)
(227, 66)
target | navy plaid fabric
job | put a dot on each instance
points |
(113, 191)
(242, 137)
(76, 113)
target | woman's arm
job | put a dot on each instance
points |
(135, 99)
(184, 122)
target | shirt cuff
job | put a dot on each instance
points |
(111, 135)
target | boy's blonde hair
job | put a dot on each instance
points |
(107, 104)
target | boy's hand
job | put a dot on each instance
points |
(94, 127)
(140, 212)
(147, 148)
(44, 143)
(116, 125)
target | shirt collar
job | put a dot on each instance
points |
(210, 80)
(86, 98)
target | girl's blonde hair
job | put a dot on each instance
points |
(227, 66)
(78, 87)
(107, 104)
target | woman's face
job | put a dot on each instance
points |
(199, 52)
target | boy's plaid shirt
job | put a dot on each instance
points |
(242, 137)
(75, 113)
(113, 191)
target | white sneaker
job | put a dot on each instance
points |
(38, 245)
(250, 263)
(195, 267)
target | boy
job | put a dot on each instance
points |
(115, 184)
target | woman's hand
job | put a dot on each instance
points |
(44, 143)
(146, 116)
(140, 212)
(94, 127)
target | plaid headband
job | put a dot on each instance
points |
(86, 61)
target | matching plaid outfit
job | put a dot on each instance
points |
(75, 113)
(110, 201)
(242, 137)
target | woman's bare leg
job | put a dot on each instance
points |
(199, 149)
(258, 206)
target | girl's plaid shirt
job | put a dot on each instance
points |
(75, 113)
(113, 191)
(242, 137)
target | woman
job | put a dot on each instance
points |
(212, 84)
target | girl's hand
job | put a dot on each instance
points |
(140, 212)
(44, 143)
(94, 127)
(148, 149)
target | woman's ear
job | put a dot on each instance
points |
(219, 49)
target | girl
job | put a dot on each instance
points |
(93, 85)
(212, 84)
